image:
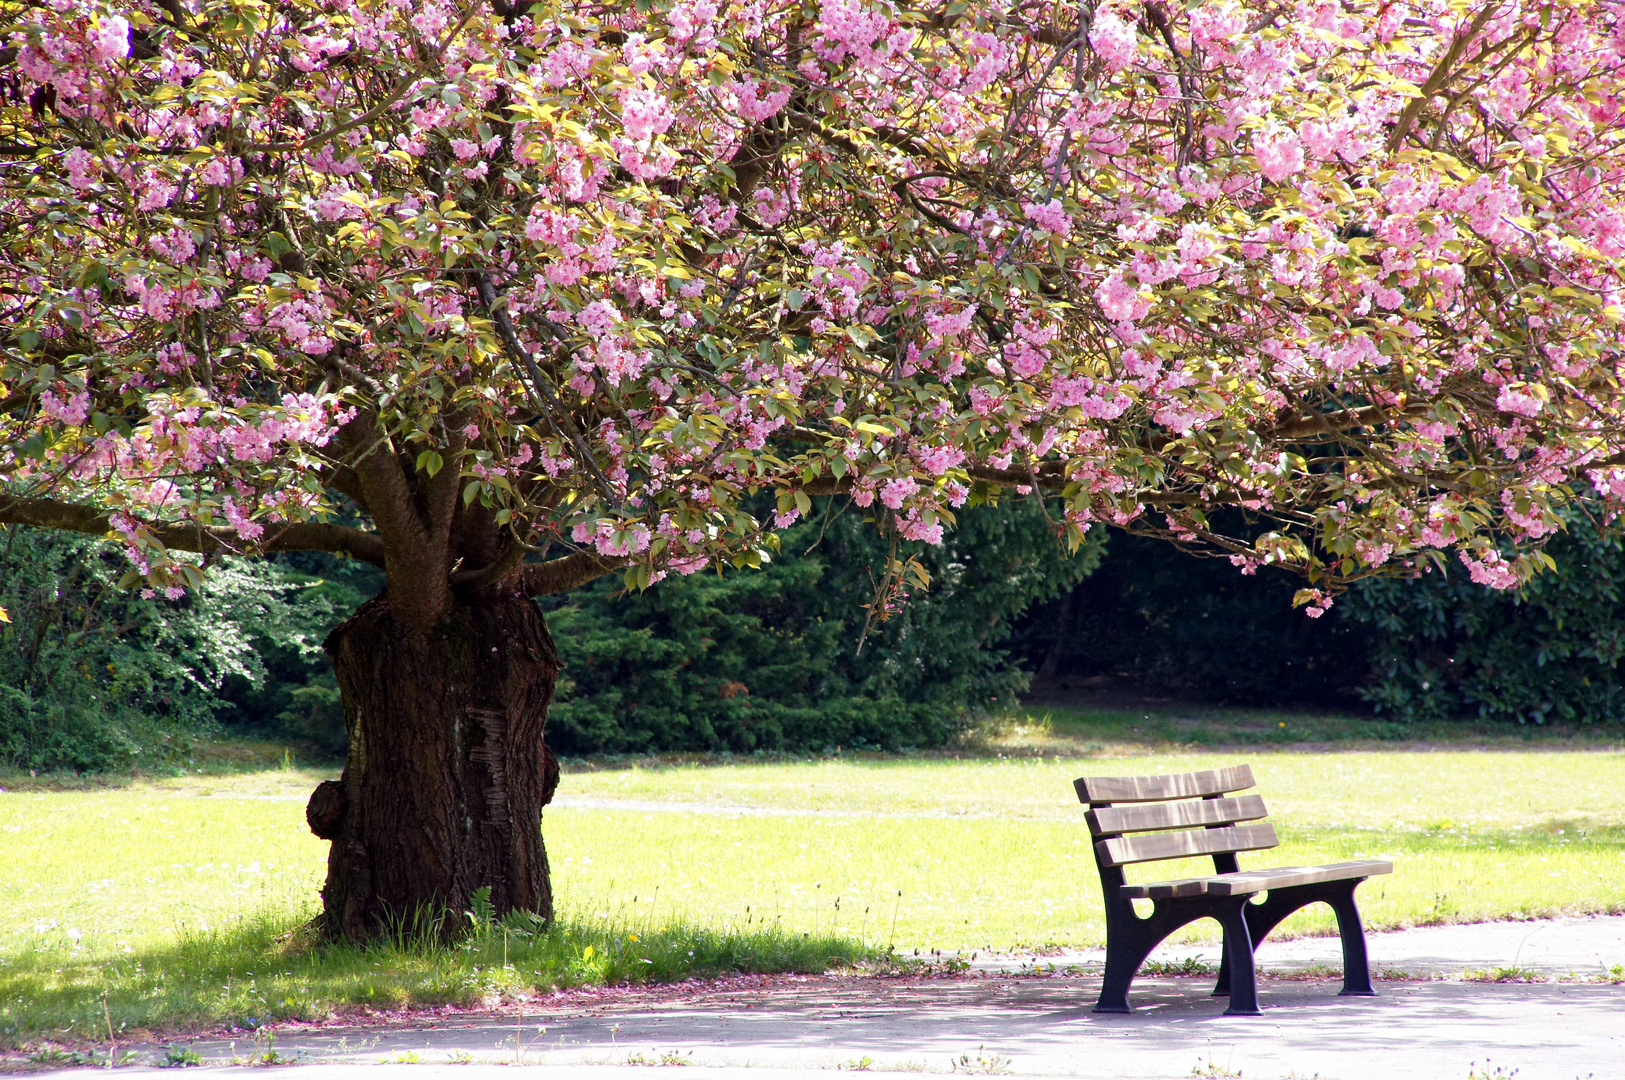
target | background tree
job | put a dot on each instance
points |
(94, 676)
(542, 290)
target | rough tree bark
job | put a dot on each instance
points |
(447, 771)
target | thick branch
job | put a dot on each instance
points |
(562, 575)
(417, 557)
(1343, 420)
(190, 536)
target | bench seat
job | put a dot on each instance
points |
(1246, 882)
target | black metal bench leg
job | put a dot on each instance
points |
(1356, 968)
(1238, 960)
(1114, 987)
(1125, 952)
(1129, 940)
(1261, 919)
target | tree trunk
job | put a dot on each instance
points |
(446, 775)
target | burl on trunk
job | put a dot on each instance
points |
(447, 773)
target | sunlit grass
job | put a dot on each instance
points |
(178, 898)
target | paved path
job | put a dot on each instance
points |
(1585, 947)
(1034, 1024)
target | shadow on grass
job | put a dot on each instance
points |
(198, 757)
(268, 969)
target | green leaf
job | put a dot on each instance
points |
(430, 462)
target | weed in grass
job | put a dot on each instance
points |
(177, 1056)
(1191, 965)
(670, 1057)
(265, 1051)
(57, 1057)
(1505, 975)
(1489, 1072)
(1212, 1070)
(982, 1064)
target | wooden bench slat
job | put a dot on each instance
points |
(1255, 881)
(1176, 845)
(1251, 881)
(1164, 890)
(1185, 814)
(1120, 789)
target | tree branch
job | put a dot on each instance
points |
(562, 575)
(190, 536)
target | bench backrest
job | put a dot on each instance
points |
(1138, 819)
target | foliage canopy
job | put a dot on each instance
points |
(519, 278)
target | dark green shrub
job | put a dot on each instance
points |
(1444, 647)
(769, 659)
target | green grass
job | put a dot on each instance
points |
(177, 897)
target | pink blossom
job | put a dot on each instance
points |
(1519, 398)
(894, 492)
(1279, 153)
(645, 113)
(156, 193)
(914, 527)
(177, 245)
(598, 318)
(937, 460)
(222, 171)
(691, 19)
(754, 104)
(110, 39)
(248, 530)
(1490, 569)
(942, 326)
(333, 206)
(71, 411)
(1051, 217)
(80, 162)
(1113, 40)
(772, 206)
(1120, 300)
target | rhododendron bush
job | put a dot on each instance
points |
(544, 290)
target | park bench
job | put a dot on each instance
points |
(1138, 819)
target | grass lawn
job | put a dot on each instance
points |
(175, 896)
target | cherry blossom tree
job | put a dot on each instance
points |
(504, 296)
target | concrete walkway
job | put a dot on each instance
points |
(1555, 948)
(996, 1019)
